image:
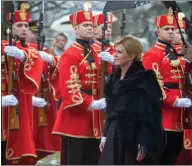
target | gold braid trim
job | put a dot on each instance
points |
(187, 144)
(28, 65)
(73, 84)
(155, 67)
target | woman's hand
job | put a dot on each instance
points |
(102, 144)
(141, 153)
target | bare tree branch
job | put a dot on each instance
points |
(56, 4)
(35, 5)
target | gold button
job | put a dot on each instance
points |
(94, 91)
(88, 68)
(178, 125)
(2, 58)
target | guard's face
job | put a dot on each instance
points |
(20, 29)
(99, 30)
(84, 30)
(121, 58)
(177, 36)
(165, 33)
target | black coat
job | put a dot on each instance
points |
(135, 102)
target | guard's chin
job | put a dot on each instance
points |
(22, 37)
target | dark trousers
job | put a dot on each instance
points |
(3, 152)
(81, 151)
(173, 148)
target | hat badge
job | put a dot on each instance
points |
(87, 15)
(170, 16)
(23, 14)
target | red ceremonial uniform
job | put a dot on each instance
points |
(77, 76)
(185, 156)
(20, 145)
(78, 81)
(169, 71)
(45, 142)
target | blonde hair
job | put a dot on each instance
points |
(133, 47)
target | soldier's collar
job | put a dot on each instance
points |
(98, 43)
(83, 43)
(162, 45)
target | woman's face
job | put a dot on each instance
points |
(121, 58)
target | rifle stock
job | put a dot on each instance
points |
(102, 73)
(42, 111)
(13, 110)
(42, 117)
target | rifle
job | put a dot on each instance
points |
(13, 110)
(175, 12)
(123, 23)
(103, 66)
(103, 70)
(187, 89)
(42, 115)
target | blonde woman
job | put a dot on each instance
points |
(133, 131)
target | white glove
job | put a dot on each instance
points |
(46, 57)
(98, 104)
(38, 102)
(106, 56)
(103, 139)
(9, 100)
(14, 52)
(183, 102)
